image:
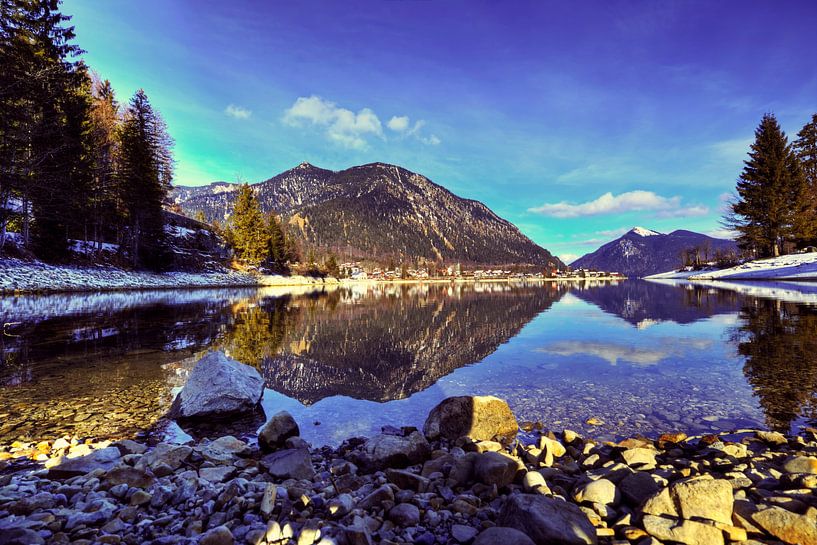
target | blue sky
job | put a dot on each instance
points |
(573, 120)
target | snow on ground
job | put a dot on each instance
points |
(682, 274)
(26, 276)
(786, 267)
(90, 247)
(18, 275)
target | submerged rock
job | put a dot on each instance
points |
(218, 387)
(483, 418)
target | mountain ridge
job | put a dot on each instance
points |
(641, 252)
(377, 211)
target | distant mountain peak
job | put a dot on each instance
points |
(305, 165)
(643, 231)
(642, 252)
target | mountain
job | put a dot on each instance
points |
(642, 252)
(377, 211)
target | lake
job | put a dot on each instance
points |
(642, 357)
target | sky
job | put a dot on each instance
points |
(574, 120)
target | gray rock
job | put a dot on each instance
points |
(483, 418)
(772, 437)
(277, 430)
(688, 532)
(787, 526)
(462, 533)
(378, 496)
(394, 451)
(20, 536)
(499, 535)
(341, 506)
(130, 476)
(218, 387)
(405, 514)
(224, 450)
(698, 497)
(217, 474)
(220, 535)
(407, 480)
(171, 456)
(801, 464)
(495, 468)
(638, 487)
(289, 464)
(533, 481)
(105, 459)
(600, 491)
(547, 520)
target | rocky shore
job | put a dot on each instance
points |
(468, 477)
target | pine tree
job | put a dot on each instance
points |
(806, 149)
(250, 231)
(331, 266)
(277, 242)
(771, 194)
(42, 119)
(143, 184)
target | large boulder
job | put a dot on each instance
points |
(483, 418)
(547, 520)
(218, 387)
(280, 427)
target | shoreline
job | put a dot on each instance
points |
(19, 277)
(424, 487)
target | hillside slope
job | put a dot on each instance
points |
(378, 211)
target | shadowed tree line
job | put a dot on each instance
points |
(74, 162)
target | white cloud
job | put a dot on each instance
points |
(613, 233)
(398, 123)
(347, 128)
(630, 201)
(237, 112)
(343, 126)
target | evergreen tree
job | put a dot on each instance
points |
(43, 110)
(331, 266)
(806, 149)
(771, 194)
(277, 242)
(250, 231)
(143, 183)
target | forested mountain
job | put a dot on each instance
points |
(376, 211)
(642, 252)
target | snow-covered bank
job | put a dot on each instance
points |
(786, 267)
(677, 275)
(26, 276)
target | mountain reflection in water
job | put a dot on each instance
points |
(702, 358)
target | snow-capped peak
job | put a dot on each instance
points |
(642, 232)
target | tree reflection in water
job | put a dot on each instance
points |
(779, 342)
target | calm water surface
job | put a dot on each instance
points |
(643, 357)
